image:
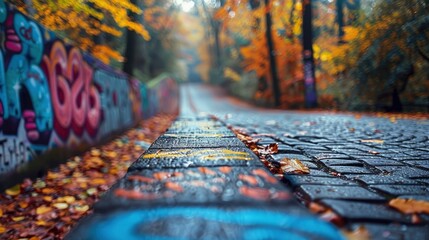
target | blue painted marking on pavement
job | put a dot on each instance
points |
(256, 224)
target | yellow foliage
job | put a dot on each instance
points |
(230, 73)
(350, 33)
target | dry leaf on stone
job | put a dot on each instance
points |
(410, 206)
(360, 233)
(378, 141)
(293, 166)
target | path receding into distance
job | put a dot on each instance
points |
(199, 181)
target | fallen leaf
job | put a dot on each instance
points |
(14, 191)
(18, 219)
(2, 229)
(95, 152)
(410, 206)
(67, 199)
(1, 212)
(91, 191)
(98, 181)
(293, 166)
(360, 233)
(60, 206)
(377, 141)
(332, 217)
(48, 190)
(39, 184)
(42, 210)
(82, 209)
(316, 207)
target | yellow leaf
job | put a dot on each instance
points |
(43, 209)
(2, 229)
(18, 219)
(60, 206)
(293, 166)
(410, 206)
(82, 209)
(13, 191)
(378, 141)
(67, 199)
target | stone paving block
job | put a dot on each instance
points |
(395, 231)
(297, 180)
(404, 171)
(189, 133)
(331, 156)
(210, 222)
(316, 192)
(278, 157)
(341, 162)
(193, 142)
(416, 197)
(314, 172)
(402, 189)
(363, 211)
(203, 185)
(183, 158)
(419, 163)
(351, 169)
(382, 179)
(379, 161)
(423, 180)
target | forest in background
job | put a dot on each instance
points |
(368, 54)
(359, 54)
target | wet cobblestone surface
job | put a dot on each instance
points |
(357, 165)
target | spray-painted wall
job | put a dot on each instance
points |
(54, 95)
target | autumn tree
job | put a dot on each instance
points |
(82, 21)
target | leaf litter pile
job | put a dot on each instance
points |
(47, 208)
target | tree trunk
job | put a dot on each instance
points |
(130, 47)
(340, 19)
(308, 59)
(271, 54)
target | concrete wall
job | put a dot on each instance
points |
(52, 95)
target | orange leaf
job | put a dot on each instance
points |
(410, 206)
(2, 229)
(43, 209)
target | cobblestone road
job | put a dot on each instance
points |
(200, 181)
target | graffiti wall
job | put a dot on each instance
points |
(54, 95)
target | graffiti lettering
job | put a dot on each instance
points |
(116, 103)
(75, 100)
(13, 152)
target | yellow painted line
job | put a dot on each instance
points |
(194, 135)
(204, 154)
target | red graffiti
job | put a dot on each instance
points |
(76, 102)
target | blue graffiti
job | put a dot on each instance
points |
(24, 87)
(254, 223)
